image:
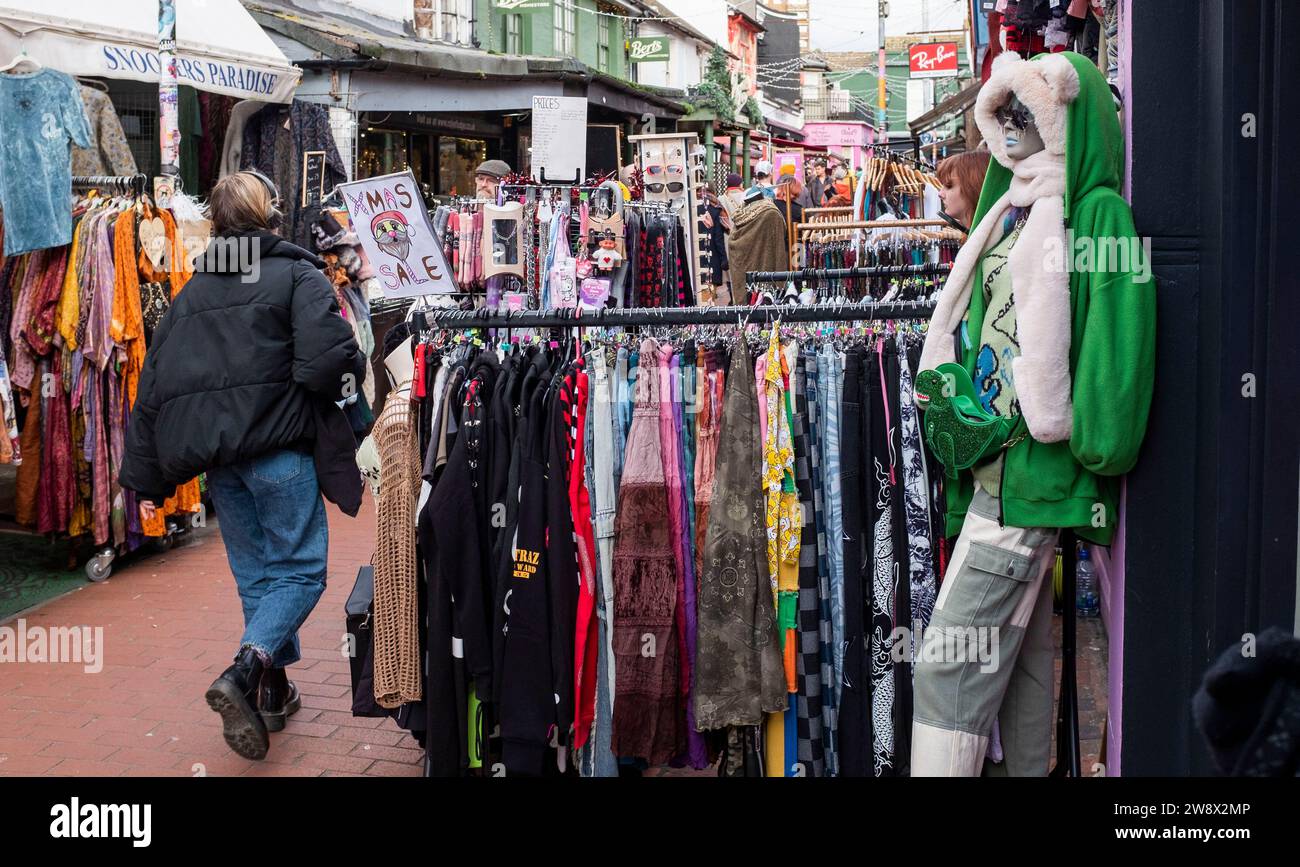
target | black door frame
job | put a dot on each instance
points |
(1211, 518)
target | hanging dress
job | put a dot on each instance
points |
(738, 670)
(648, 716)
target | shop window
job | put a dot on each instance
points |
(566, 29)
(457, 160)
(381, 152)
(514, 34)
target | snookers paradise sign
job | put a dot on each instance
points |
(932, 59)
(388, 215)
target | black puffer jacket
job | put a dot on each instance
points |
(237, 369)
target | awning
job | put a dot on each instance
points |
(791, 143)
(219, 47)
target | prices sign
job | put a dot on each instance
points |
(932, 59)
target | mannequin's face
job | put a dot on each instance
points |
(1020, 135)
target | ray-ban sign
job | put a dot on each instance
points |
(932, 59)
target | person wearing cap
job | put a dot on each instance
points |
(733, 199)
(762, 179)
(487, 178)
(787, 192)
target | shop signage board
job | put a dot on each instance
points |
(932, 60)
(648, 49)
(559, 139)
(389, 217)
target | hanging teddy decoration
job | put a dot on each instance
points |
(606, 256)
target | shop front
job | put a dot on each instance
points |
(847, 138)
(442, 150)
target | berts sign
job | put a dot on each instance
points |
(646, 50)
(933, 59)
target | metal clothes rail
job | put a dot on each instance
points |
(653, 316)
(925, 269)
(122, 183)
(831, 225)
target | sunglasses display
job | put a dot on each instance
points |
(672, 187)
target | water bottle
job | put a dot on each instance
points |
(1087, 602)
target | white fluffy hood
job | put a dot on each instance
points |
(1046, 86)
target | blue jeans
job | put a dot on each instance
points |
(276, 534)
(831, 384)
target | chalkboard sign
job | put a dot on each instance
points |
(313, 178)
(604, 144)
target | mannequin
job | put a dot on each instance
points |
(400, 364)
(1020, 134)
(1081, 385)
(397, 652)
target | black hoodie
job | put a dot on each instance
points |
(242, 364)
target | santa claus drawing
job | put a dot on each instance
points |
(392, 234)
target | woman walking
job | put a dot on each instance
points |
(240, 382)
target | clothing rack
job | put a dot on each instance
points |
(865, 224)
(555, 185)
(422, 320)
(1067, 730)
(926, 269)
(886, 153)
(135, 184)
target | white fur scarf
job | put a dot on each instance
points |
(1042, 295)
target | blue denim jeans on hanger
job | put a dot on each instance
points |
(597, 760)
(831, 371)
(276, 535)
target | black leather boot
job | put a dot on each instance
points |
(234, 696)
(278, 698)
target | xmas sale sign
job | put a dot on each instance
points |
(389, 216)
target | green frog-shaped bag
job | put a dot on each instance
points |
(961, 433)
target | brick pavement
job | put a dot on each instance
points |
(171, 624)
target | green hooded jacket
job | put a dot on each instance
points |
(1076, 483)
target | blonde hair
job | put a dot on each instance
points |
(240, 203)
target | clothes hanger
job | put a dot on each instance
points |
(19, 59)
(94, 83)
